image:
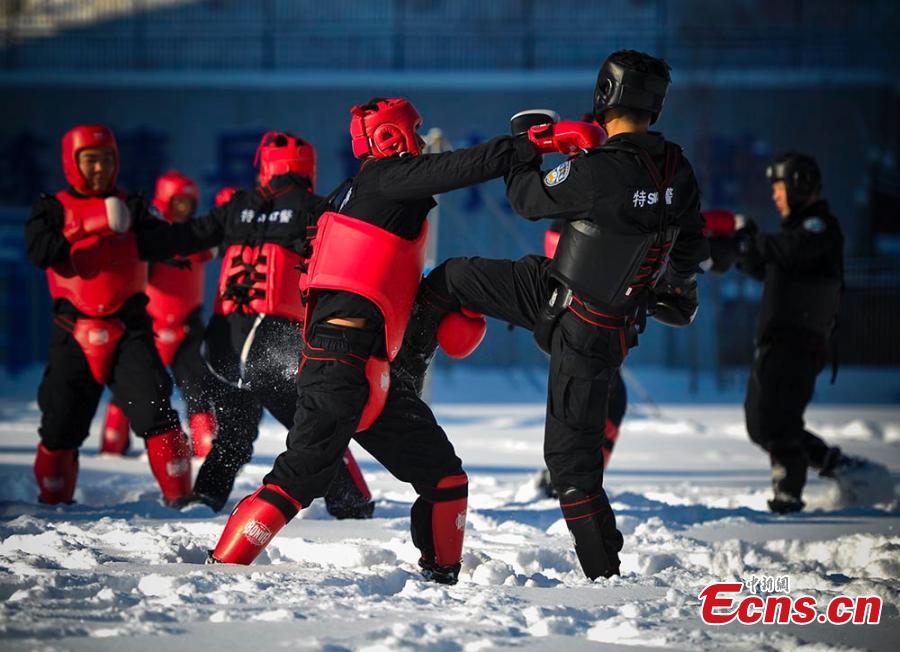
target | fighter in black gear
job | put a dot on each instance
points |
(631, 206)
(803, 271)
(253, 341)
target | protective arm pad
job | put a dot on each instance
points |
(521, 122)
(460, 333)
(676, 303)
(94, 254)
(566, 137)
(117, 215)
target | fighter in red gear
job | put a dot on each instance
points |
(85, 237)
(366, 265)
(253, 340)
(176, 304)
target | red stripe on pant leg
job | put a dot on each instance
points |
(448, 523)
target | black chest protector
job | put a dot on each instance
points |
(612, 268)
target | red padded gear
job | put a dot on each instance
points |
(115, 438)
(358, 257)
(551, 242)
(448, 522)
(98, 339)
(282, 153)
(203, 431)
(385, 128)
(170, 185)
(378, 374)
(356, 474)
(86, 137)
(224, 195)
(252, 525)
(271, 277)
(56, 473)
(460, 333)
(719, 223)
(566, 137)
(611, 435)
(170, 461)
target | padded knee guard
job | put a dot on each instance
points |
(253, 523)
(438, 523)
(56, 473)
(592, 523)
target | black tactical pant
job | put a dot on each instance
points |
(332, 391)
(265, 379)
(584, 358)
(68, 394)
(781, 385)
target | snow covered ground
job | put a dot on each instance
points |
(118, 571)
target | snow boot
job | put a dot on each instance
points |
(115, 439)
(785, 503)
(203, 431)
(592, 523)
(56, 473)
(438, 526)
(253, 523)
(348, 495)
(170, 461)
(859, 481)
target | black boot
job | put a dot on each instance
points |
(344, 499)
(440, 574)
(788, 479)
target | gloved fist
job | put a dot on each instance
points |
(117, 215)
(94, 254)
(722, 223)
(521, 122)
(566, 137)
(675, 301)
(460, 333)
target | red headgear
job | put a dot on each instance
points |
(170, 185)
(385, 128)
(85, 137)
(281, 153)
(224, 195)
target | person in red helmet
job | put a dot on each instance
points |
(367, 258)
(85, 237)
(253, 340)
(176, 305)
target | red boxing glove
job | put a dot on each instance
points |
(720, 223)
(566, 137)
(94, 254)
(460, 333)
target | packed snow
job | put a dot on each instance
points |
(118, 570)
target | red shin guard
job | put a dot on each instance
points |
(115, 439)
(203, 431)
(56, 473)
(253, 523)
(170, 461)
(448, 519)
(356, 473)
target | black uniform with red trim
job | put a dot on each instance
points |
(633, 228)
(253, 340)
(385, 204)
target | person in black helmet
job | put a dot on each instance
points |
(631, 245)
(802, 269)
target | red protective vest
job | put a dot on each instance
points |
(264, 280)
(355, 256)
(104, 294)
(174, 294)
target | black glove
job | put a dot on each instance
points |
(675, 301)
(722, 252)
(745, 237)
(521, 122)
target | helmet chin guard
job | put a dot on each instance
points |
(385, 127)
(283, 153)
(84, 137)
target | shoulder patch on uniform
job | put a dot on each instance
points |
(558, 174)
(155, 212)
(814, 224)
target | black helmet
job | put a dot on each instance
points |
(633, 80)
(800, 174)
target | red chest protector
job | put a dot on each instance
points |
(174, 294)
(262, 279)
(104, 294)
(355, 256)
